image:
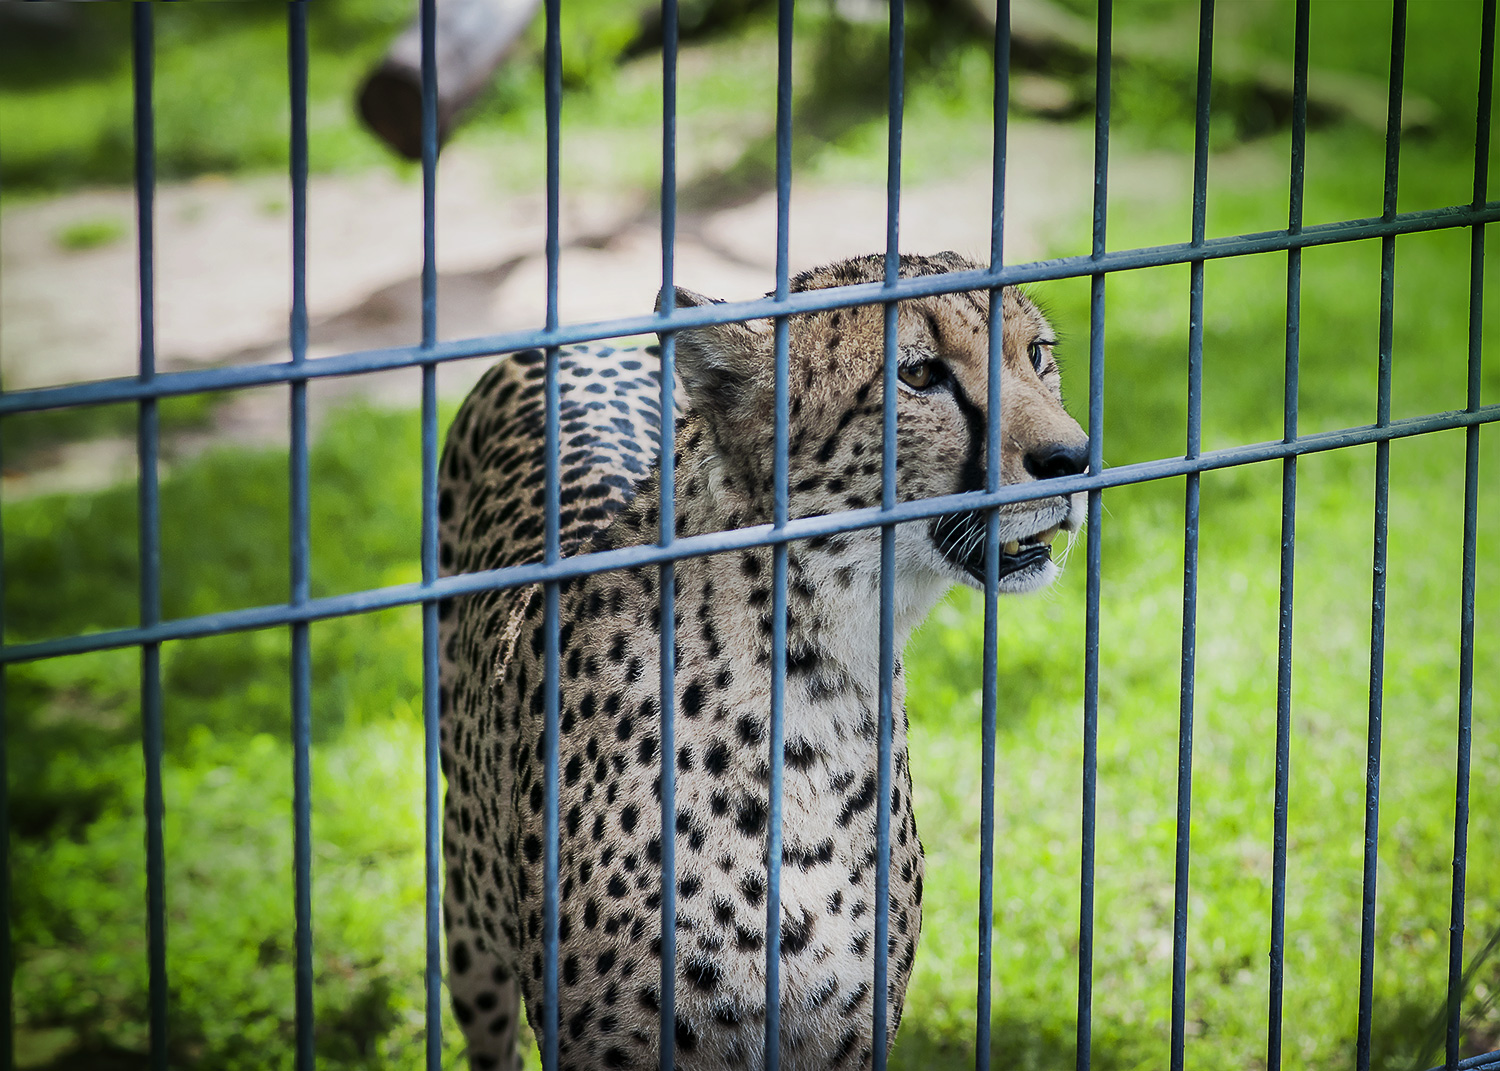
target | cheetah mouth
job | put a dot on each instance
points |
(960, 538)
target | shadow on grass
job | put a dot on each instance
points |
(1018, 1044)
(1410, 1033)
(846, 89)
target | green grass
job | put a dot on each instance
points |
(91, 233)
(72, 724)
(221, 96)
(1041, 690)
(76, 771)
(25, 436)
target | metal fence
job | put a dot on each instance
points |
(301, 609)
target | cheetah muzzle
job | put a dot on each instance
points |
(609, 862)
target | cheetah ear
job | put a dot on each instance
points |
(723, 366)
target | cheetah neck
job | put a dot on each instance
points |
(833, 628)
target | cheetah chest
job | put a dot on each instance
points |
(610, 846)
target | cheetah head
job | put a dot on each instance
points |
(835, 363)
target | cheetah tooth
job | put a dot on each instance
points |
(1012, 547)
(1048, 536)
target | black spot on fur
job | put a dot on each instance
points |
(702, 972)
(795, 934)
(750, 816)
(799, 753)
(716, 760)
(862, 802)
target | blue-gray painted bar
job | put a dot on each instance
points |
(735, 539)
(550, 620)
(1188, 673)
(1471, 536)
(895, 76)
(297, 78)
(102, 391)
(780, 478)
(432, 799)
(147, 387)
(667, 513)
(149, 506)
(298, 478)
(1378, 567)
(989, 694)
(429, 172)
(1084, 1054)
(432, 785)
(1288, 548)
(7, 956)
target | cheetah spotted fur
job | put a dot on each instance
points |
(490, 508)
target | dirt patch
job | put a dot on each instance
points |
(223, 272)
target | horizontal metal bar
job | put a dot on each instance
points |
(103, 391)
(1487, 1062)
(737, 539)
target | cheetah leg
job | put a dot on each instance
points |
(481, 982)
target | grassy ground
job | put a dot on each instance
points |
(221, 96)
(75, 771)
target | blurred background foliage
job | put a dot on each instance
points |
(70, 560)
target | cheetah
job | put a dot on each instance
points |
(492, 644)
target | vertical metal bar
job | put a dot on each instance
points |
(1378, 569)
(666, 1033)
(432, 788)
(431, 696)
(297, 75)
(993, 440)
(7, 955)
(300, 551)
(895, 107)
(552, 544)
(1471, 535)
(429, 172)
(1190, 546)
(150, 537)
(1288, 547)
(7, 962)
(1095, 555)
(780, 509)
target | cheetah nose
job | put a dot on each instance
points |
(1057, 459)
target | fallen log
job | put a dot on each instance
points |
(473, 38)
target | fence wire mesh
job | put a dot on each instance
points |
(302, 608)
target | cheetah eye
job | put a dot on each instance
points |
(921, 377)
(1037, 354)
(1037, 351)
